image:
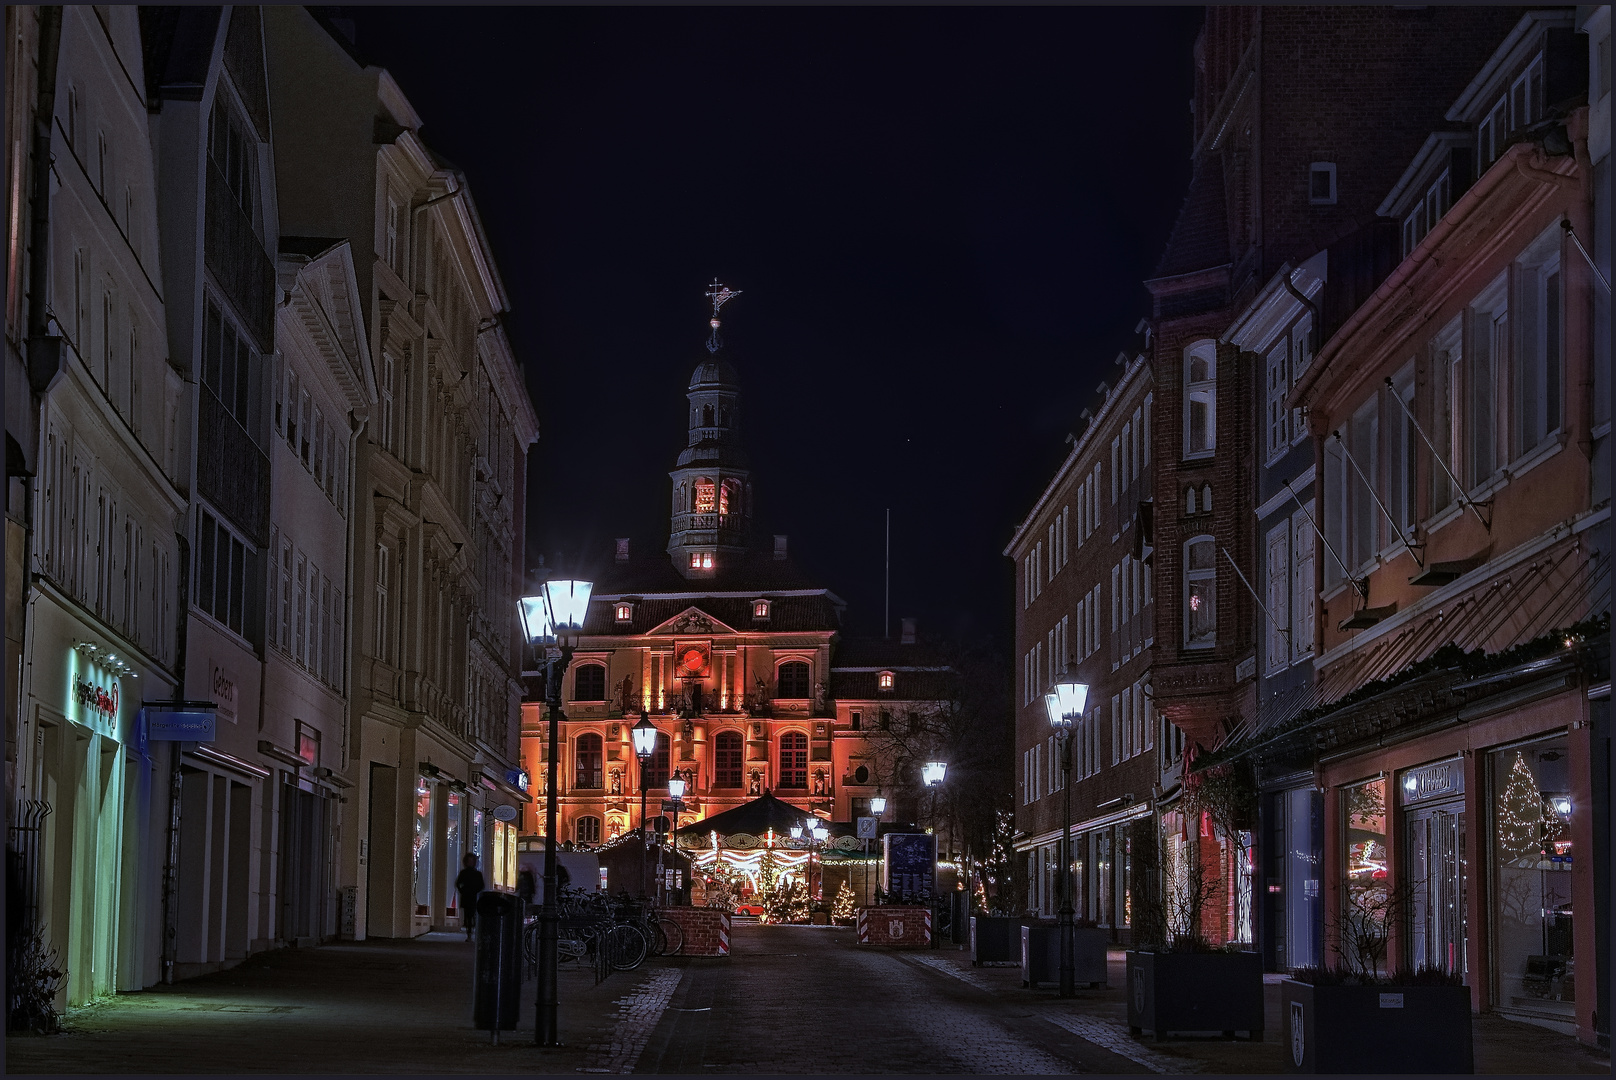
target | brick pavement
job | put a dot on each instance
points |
(790, 1000)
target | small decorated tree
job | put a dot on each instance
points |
(843, 908)
(768, 872)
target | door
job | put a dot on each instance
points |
(1436, 874)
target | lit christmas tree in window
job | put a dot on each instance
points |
(1520, 817)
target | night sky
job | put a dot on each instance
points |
(939, 219)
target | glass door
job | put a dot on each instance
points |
(1435, 837)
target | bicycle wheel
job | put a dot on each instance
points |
(673, 935)
(569, 948)
(530, 944)
(627, 947)
(656, 941)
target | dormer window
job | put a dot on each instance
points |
(625, 613)
(701, 560)
(884, 680)
(760, 609)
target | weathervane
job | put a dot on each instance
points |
(719, 295)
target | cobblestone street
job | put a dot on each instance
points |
(790, 1000)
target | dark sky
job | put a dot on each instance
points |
(939, 219)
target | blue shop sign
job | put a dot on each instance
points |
(178, 725)
(517, 778)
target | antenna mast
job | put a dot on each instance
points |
(886, 613)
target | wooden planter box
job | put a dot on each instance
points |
(1185, 992)
(1040, 955)
(1376, 1029)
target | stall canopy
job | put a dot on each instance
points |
(755, 818)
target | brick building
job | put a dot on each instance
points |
(1304, 117)
(1085, 613)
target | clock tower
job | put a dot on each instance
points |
(711, 516)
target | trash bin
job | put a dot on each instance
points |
(497, 968)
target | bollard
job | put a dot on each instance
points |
(497, 969)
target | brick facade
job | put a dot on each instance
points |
(706, 929)
(895, 927)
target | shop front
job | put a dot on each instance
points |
(1466, 851)
(86, 781)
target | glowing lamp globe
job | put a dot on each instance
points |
(569, 603)
(796, 832)
(536, 621)
(676, 787)
(878, 805)
(644, 734)
(1065, 704)
(933, 772)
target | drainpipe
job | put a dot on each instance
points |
(171, 868)
(44, 352)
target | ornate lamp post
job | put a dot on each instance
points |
(644, 734)
(676, 792)
(1065, 705)
(553, 620)
(819, 832)
(878, 806)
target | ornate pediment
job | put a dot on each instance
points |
(693, 621)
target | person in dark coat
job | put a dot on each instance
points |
(468, 885)
(526, 885)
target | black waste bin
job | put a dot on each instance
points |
(497, 971)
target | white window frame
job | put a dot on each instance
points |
(1202, 392)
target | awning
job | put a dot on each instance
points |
(1553, 588)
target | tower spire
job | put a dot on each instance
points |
(718, 294)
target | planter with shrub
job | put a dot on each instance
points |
(1407, 1023)
(1195, 990)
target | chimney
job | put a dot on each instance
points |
(622, 549)
(779, 547)
(908, 637)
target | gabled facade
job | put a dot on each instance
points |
(96, 557)
(438, 475)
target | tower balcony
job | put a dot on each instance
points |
(712, 528)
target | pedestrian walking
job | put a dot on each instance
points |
(468, 885)
(526, 885)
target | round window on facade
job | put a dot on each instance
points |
(861, 775)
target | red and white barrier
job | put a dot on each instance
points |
(895, 927)
(706, 929)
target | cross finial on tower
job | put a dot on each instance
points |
(718, 294)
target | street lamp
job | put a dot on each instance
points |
(819, 834)
(933, 772)
(1065, 706)
(676, 792)
(552, 620)
(644, 734)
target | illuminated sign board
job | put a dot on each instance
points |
(93, 694)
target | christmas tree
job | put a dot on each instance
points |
(1520, 817)
(768, 872)
(843, 908)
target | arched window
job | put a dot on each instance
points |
(656, 769)
(1189, 500)
(1200, 593)
(586, 830)
(793, 680)
(794, 760)
(587, 759)
(727, 759)
(706, 416)
(589, 683)
(1200, 399)
(705, 497)
(1206, 499)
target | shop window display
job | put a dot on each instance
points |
(1531, 879)
(452, 841)
(1365, 896)
(421, 864)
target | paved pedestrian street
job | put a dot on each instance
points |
(789, 1000)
